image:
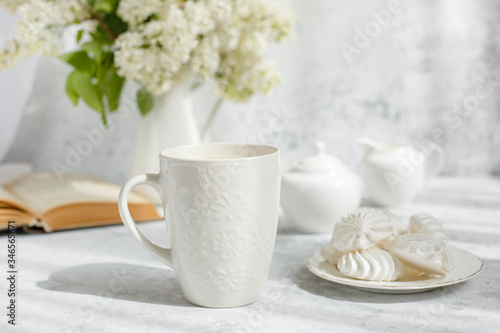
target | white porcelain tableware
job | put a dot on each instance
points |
(221, 206)
(466, 266)
(317, 191)
(394, 174)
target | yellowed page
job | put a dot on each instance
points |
(21, 217)
(44, 191)
(9, 200)
(7, 195)
(12, 209)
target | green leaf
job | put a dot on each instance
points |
(70, 89)
(100, 34)
(91, 95)
(115, 23)
(94, 47)
(112, 85)
(79, 59)
(144, 101)
(79, 35)
(105, 6)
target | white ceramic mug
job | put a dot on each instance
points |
(221, 205)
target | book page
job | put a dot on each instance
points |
(44, 191)
(7, 195)
(9, 200)
(11, 214)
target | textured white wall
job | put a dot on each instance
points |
(433, 68)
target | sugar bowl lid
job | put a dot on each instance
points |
(319, 161)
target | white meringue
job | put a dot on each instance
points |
(331, 254)
(397, 222)
(423, 253)
(386, 243)
(361, 229)
(427, 225)
(370, 264)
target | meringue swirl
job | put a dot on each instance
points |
(423, 253)
(371, 264)
(361, 229)
(427, 225)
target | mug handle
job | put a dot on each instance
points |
(438, 149)
(153, 180)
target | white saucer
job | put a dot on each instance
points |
(466, 266)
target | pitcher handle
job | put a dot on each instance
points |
(153, 180)
(440, 151)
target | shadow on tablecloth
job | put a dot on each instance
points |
(119, 281)
(309, 282)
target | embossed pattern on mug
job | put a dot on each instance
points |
(228, 241)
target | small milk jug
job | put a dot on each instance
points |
(394, 174)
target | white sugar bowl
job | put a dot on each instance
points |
(317, 191)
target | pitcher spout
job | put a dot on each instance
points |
(369, 145)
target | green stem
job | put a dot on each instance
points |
(210, 120)
(104, 25)
(97, 17)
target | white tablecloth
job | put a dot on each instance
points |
(101, 280)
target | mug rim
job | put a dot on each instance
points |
(272, 150)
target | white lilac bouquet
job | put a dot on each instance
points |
(155, 43)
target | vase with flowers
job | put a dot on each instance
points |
(167, 47)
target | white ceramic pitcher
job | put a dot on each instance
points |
(394, 174)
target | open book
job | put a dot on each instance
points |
(77, 201)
